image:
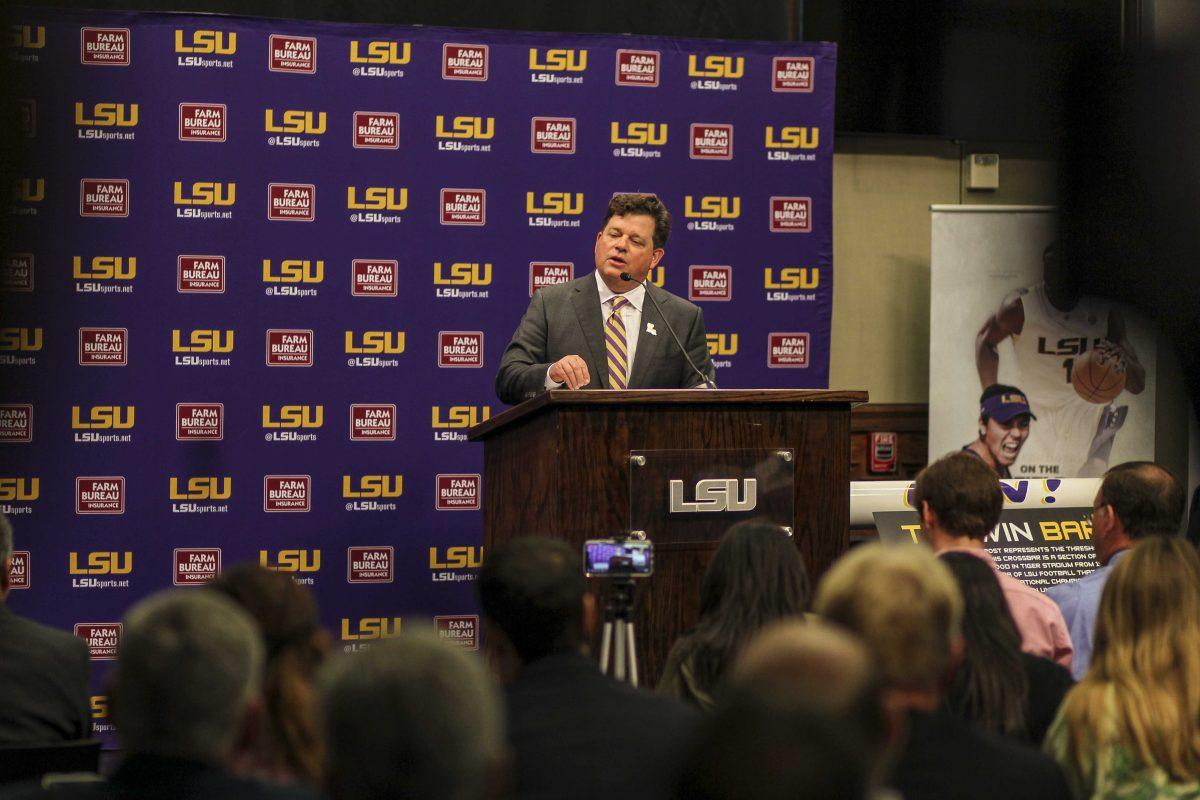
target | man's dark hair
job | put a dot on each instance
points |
(1145, 496)
(532, 589)
(963, 492)
(992, 391)
(623, 205)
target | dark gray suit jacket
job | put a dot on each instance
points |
(566, 319)
(44, 674)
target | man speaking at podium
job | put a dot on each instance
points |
(604, 331)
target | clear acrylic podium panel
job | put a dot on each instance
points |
(695, 495)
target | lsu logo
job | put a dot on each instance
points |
(377, 198)
(204, 42)
(455, 558)
(462, 274)
(390, 342)
(293, 417)
(368, 486)
(103, 418)
(722, 344)
(27, 37)
(20, 490)
(564, 203)
(99, 706)
(793, 137)
(293, 271)
(202, 488)
(792, 278)
(205, 193)
(29, 190)
(710, 207)
(657, 275)
(465, 127)
(292, 121)
(105, 268)
(716, 67)
(106, 115)
(202, 341)
(103, 563)
(557, 60)
(20, 340)
(369, 628)
(290, 560)
(380, 52)
(460, 416)
(640, 133)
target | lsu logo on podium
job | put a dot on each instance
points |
(308, 123)
(206, 42)
(653, 134)
(293, 561)
(200, 488)
(380, 52)
(557, 60)
(377, 198)
(102, 563)
(714, 66)
(372, 486)
(462, 274)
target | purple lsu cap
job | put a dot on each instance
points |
(1003, 407)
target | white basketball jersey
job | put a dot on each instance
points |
(1050, 343)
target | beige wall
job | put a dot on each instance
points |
(882, 190)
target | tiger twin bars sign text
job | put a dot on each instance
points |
(260, 275)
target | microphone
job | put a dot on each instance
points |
(708, 382)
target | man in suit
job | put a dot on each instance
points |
(600, 331)
(573, 731)
(43, 672)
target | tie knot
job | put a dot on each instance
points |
(618, 301)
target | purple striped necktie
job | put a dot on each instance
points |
(616, 345)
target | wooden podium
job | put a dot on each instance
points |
(560, 465)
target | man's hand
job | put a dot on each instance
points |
(571, 370)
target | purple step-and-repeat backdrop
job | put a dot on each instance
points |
(261, 272)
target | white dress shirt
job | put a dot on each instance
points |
(631, 315)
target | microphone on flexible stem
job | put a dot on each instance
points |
(708, 382)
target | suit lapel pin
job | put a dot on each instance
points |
(650, 329)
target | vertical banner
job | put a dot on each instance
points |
(261, 273)
(1072, 376)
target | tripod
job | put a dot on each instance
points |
(616, 639)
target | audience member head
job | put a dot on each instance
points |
(991, 686)
(6, 551)
(1145, 667)
(754, 749)
(533, 595)
(187, 677)
(818, 665)
(958, 498)
(412, 717)
(1136, 499)
(905, 606)
(756, 577)
(286, 613)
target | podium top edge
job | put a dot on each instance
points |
(566, 397)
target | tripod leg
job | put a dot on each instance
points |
(605, 645)
(632, 650)
(619, 651)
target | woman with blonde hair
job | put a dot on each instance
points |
(1131, 727)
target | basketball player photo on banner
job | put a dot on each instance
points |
(1027, 371)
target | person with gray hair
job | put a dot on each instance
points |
(44, 672)
(412, 717)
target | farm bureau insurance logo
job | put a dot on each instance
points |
(460, 349)
(791, 215)
(465, 62)
(549, 273)
(791, 284)
(97, 121)
(369, 203)
(370, 564)
(379, 58)
(376, 130)
(452, 280)
(554, 209)
(101, 638)
(199, 422)
(464, 206)
(372, 422)
(460, 630)
(787, 350)
(711, 141)
(287, 493)
(292, 54)
(373, 277)
(291, 202)
(103, 347)
(707, 282)
(458, 492)
(100, 495)
(104, 197)
(200, 274)
(638, 67)
(100, 563)
(556, 65)
(107, 47)
(552, 135)
(464, 134)
(203, 122)
(793, 74)
(200, 48)
(18, 574)
(16, 423)
(204, 200)
(202, 340)
(17, 272)
(196, 566)
(88, 430)
(289, 348)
